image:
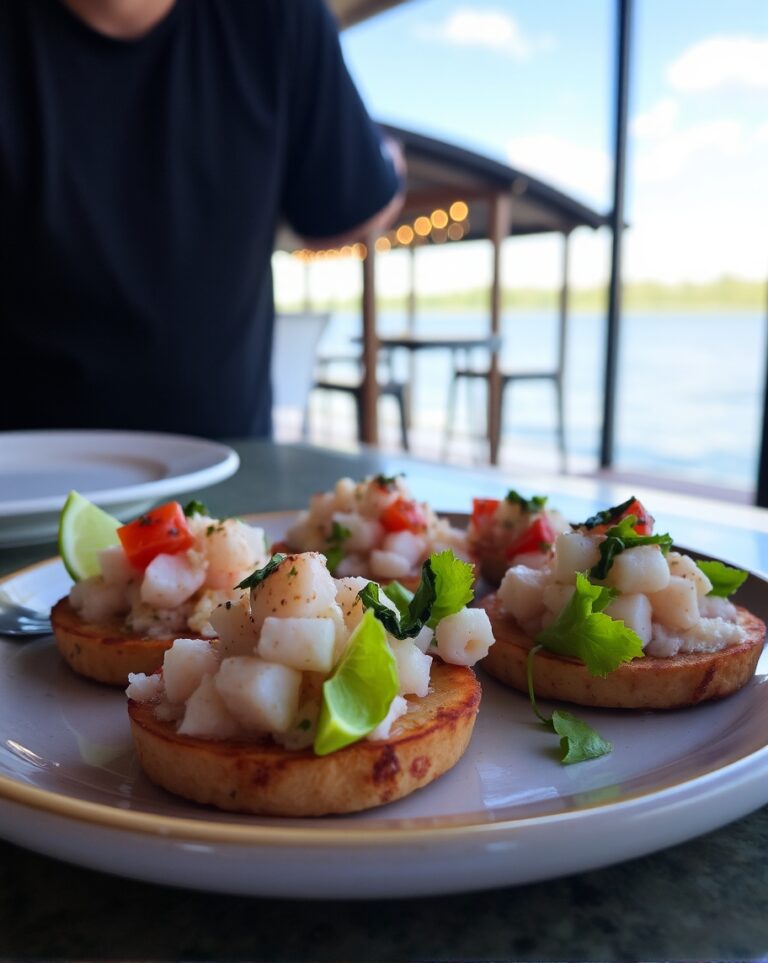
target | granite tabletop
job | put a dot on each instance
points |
(704, 899)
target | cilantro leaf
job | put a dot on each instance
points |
(583, 631)
(621, 537)
(195, 507)
(255, 578)
(453, 585)
(400, 595)
(335, 542)
(725, 579)
(445, 588)
(386, 481)
(578, 741)
(533, 504)
(607, 515)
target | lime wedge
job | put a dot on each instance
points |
(84, 530)
(358, 695)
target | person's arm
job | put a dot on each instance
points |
(380, 221)
(343, 180)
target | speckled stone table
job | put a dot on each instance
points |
(705, 899)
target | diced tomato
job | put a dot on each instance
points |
(402, 515)
(643, 520)
(161, 531)
(483, 511)
(280, 547)
(538, 537)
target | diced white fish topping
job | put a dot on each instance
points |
(397, 708)
(278, 645)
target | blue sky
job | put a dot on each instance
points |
(529, 82)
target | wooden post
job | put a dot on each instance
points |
(369, 424)
(499, 221)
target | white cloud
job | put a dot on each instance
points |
(721, 62)
(574, 168)
(657, 121)
(491, 30)
(668, 158)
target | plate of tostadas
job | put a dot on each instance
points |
(507, 813)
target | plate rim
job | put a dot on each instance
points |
(199, 828)
(225, 465)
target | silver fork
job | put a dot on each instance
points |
(18, 620)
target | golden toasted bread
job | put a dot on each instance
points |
(648, 683)
(105, 651)
(263, 778)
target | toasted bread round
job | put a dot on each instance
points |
(104, 651)
(263, 778)
(648, 683)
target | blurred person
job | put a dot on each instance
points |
(148, 150)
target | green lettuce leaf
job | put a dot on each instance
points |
(725, 579)
(583, 631)
(445, 588)
(359, 693)
(621, 537)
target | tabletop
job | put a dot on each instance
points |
(703, 899)
(453, 342)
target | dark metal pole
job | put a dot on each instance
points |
(761, 494)
(624, 31)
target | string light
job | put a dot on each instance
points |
(439, 226)
(458, 211)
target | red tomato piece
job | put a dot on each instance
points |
(160, 531)
(403, 515)
(483, 510)
(538, 537)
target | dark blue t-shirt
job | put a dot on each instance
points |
(141, 183)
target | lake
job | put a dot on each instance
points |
(690, 386)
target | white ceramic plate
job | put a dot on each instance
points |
(124, 472)
(509, 812)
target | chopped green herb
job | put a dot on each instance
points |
(335, 542)
(607, 515)
(621, 537)
(725, 579)
(195, 507)
(260, 574)
(578, 741)
(294, 571)
(445, 588)
(583, 631)
(386, 481)
(533, 504)
(400, 595)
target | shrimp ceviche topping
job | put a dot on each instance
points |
(669, 603)
(313, 661)
(512, 529)
(172, 567)
(373, 528)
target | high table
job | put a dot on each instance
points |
(704, 899)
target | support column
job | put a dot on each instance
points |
(369, 388)
(624, 32)
(499, 221)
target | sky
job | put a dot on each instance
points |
(530, 82)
